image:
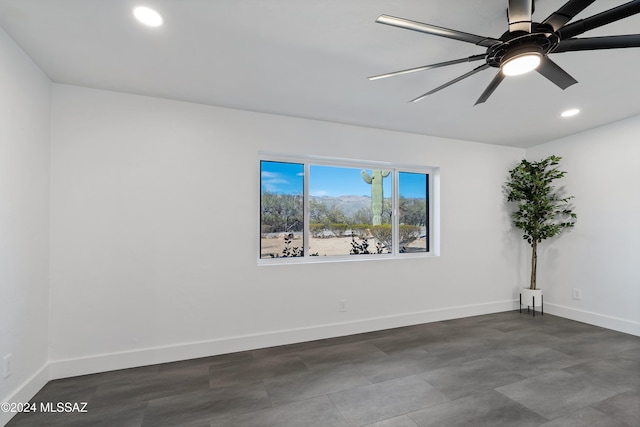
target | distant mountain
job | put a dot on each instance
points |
(348, 204)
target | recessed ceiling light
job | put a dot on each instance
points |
(147, 16)
(570, 113)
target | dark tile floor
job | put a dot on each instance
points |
(504, 369)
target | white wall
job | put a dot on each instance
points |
(600, 256)
(25, 104)
(155, 232)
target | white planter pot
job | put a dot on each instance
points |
(531, 297)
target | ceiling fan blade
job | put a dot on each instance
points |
(456, 80)
(436, 31)
(603, 18)
(519, 13)
(428, 67)
(566, 13)
(595, 43)
(492, 86)
(555, 74)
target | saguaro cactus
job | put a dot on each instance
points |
(375, 179)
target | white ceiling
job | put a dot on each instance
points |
(311, 58)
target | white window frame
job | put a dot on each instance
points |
(433, 207)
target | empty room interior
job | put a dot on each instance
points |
(149, 277)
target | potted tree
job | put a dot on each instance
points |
(540, 211)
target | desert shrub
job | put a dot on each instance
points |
(321, 212)
(316, 229)
(383, 234)
(289, 251)
(413, 211)
(338, 228)
(408, 233)
(281, 212)
(360, 230)
(362, 216)
(363, 247)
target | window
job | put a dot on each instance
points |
(413, 208)
(281, 209)
(320, 209)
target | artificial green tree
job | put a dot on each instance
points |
(541, 212)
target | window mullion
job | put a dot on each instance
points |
(306, 233)
(394, 218)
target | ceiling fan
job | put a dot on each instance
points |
(526, 45)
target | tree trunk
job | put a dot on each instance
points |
(534, 264)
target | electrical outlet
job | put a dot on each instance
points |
(6, 366)
(577, 293)
(343, 305)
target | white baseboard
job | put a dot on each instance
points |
(25, 392)
(617, 324)
(124, 360)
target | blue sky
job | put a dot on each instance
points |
(336, 181)
(287, 178)
(282, 178)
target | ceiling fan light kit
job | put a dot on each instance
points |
(521, 64)
(526, 45)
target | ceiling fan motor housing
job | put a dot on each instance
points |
(520, 43)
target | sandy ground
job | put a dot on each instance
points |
(323, 246)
